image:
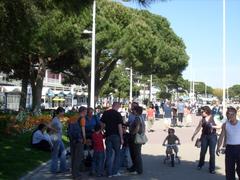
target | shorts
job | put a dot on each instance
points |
(167, 121)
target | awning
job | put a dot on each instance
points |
(12, 89)
(58, 99)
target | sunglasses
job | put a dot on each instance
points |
(231, 113)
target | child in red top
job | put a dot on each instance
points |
(98, 155)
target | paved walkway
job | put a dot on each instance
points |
(153, 155)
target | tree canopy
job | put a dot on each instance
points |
(36, 35)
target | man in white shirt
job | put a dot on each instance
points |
(230, 138)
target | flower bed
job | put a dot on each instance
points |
(10, 125)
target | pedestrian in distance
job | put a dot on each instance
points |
(180, 110)
(112, 122)
(150, 117)
(167, 115)
(208, 138)
(230, 139)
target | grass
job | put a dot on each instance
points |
(17, 157)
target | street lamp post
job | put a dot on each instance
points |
(92, 95)
(150, 89)
(224, 57)
(93, 32)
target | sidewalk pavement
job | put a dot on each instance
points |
(153, 155)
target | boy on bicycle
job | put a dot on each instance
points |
(171, 139)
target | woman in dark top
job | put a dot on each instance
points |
(137, 126)
(208, 138)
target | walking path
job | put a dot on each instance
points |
(153, 155)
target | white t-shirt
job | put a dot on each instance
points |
(233, 133)
(38, 136)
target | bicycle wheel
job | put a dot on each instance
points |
(172, 160)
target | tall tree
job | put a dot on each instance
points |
(138, 38)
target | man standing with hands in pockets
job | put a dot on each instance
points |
(230, 138)
(112, 122)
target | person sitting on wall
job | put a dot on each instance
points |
(40, 139)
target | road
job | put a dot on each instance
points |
(153, 155)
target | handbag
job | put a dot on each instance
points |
(198, 143)
(141, 138)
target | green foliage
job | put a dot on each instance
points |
(234, 91)
(48, 34)
(164, 95)
(218, 93)
(118, 84)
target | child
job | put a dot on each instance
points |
(124, 159)
(171, 139)
(98, 154)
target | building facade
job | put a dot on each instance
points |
(54, 93)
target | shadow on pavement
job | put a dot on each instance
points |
(154, 169)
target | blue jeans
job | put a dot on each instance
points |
(113, 143)
(98, 162)
(58, 152)
(208, 141)
(124, 157)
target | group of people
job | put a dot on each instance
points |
(174, 114)
(89, 130)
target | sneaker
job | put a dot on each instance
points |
(118, 174)
(199, 168)
(133, 173)
(131, 169)
(213, 172)
(110, 176)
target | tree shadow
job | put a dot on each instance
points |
(154, 169)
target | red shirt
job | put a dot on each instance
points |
(97, 139)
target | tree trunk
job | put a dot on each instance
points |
(37, 94)
(23, 99)
(37, 78)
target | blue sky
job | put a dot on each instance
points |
(199, 24)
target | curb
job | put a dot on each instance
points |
(35, 171)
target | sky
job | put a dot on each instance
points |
(200, 24)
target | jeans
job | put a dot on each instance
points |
(124, 159)
(113, 143)
(136, 155)
(232, 158)
(76, 157)
(58, 152)
(98, 162)
(180, 117)
(208, 141)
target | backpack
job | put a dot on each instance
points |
(74, 131)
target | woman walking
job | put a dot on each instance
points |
(150, 117)
(208, 138)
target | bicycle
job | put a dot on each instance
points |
(173, 158)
